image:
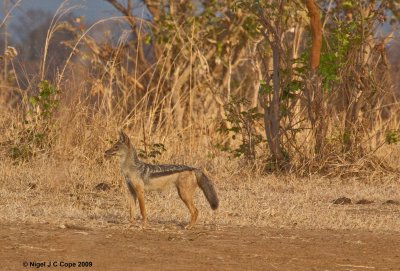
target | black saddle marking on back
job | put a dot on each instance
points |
(165, 170)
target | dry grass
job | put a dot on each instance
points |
(170, 104)
(63, 192)
(58, 185)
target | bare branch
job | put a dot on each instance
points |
(125, 11)
(153, 7)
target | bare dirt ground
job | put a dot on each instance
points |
(239, 248)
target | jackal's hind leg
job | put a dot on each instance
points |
(186, 195)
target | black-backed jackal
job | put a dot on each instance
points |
(140, 177)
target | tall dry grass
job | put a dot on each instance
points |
(51, 167)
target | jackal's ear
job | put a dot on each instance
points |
(123, 137)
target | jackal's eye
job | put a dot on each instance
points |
(112, 141)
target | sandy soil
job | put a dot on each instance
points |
(240, 248)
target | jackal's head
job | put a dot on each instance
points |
(121, 148)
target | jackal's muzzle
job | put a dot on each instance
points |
(110, 152)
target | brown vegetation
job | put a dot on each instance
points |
(170, 83)
(300, 137)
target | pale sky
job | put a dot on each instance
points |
(92, 9)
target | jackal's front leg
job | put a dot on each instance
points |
(132, 197)
(140, 196)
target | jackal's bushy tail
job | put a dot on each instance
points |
(208, 189)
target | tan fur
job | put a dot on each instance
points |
(186, 185)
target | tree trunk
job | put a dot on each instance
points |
(316, 31)
(271, 110)
(316, 97)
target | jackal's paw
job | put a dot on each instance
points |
(144, 226)
(128, 227)
(189, 227)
